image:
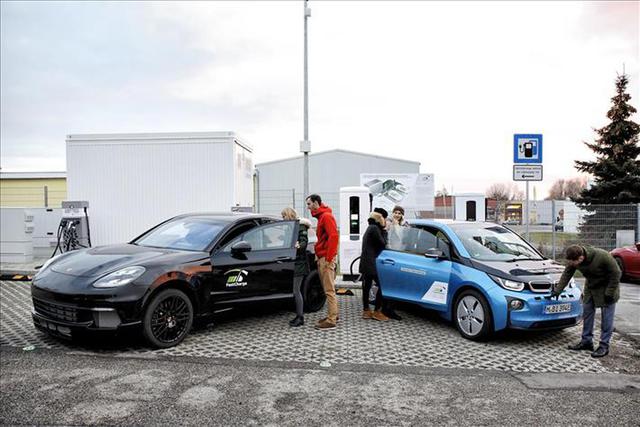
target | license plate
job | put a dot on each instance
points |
(557, 308)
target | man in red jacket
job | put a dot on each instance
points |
(326, 249)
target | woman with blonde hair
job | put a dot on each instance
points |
(301, 262)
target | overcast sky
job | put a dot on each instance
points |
(446, 84)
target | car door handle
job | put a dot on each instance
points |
(282, 259)
(388, 261)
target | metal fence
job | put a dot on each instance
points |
(602, 226)
(553, 224)
(271, 202)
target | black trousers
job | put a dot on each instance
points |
(367, 281)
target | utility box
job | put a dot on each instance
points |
(470, 207)
(134, 181)
(16, 229)
(45, 227)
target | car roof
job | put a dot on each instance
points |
(451, 222)
(226, 216)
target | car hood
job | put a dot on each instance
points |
(524, 271)
(102, 260)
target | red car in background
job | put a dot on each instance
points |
(628, 259)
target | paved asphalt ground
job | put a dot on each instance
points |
(252, 369)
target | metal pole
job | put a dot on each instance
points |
(526, 213)
(293, 198)
(553, 229)
(306, 145)
(46, 196)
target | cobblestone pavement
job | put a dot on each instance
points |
(419, 339)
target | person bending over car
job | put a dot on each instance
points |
(601, 289)
(301, 264)
(373, 243)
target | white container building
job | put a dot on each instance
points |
(134, 181)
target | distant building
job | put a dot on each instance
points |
(32, 189)
(279, 182)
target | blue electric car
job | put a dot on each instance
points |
(480, 275)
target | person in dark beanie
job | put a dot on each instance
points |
(385, 215)
(601, 289)
(387, 309)
(373, 242)
(326, 249)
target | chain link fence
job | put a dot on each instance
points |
(271, 202)
(554, 225)
(602, 226)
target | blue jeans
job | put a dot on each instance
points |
(588, 318)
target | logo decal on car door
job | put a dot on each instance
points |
(236, 278)
(437, 293)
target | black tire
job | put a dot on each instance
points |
(313, 293)
(621, 266)
(467, 323)
(168, 318)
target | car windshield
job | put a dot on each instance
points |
(494, 243)
(191, 234)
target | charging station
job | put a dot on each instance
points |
(73, 231)
(355, 205)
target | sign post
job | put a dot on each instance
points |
(527, 165)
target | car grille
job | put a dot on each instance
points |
(558, 323)
(540, 286)
(60, 312)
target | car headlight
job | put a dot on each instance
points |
(509, 285)
(47, 264)
(120, 277)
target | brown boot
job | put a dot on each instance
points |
(378, 315)
(325, 324)
(367, 314)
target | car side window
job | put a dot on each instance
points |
(237, 231)
(418, 240)
(278, 235)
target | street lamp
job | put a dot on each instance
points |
(305, 144)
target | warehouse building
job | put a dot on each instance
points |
(279, 182)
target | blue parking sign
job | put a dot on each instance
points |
(527, 148)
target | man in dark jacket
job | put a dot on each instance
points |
(373, 242)
(601, 289)
(326, 249)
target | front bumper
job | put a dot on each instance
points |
(64, 321)
(64, 304)
(533, 317)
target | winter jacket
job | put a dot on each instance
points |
(327, 232)
(373, 242)
(302, 263)
(602, 276)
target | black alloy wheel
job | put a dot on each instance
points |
(168, 318)
(313, 293)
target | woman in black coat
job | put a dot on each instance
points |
(373, 242)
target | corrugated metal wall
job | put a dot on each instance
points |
(133, 185)
(328, 171)
(32, 193)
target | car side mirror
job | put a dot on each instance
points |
(240, 247)
(435, 253)
(638, 246)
